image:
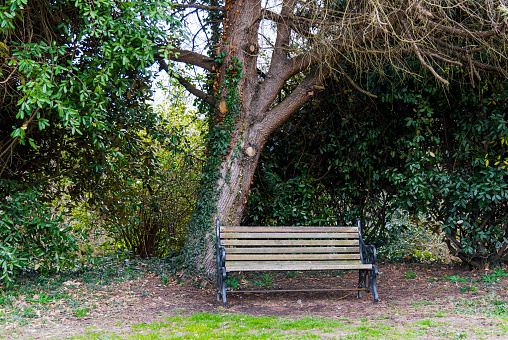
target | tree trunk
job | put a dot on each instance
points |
(249, 103)
(246, 98)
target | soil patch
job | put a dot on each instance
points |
(407, 293)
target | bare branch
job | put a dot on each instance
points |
(15, 141)
(420, 57)
(198, 6)
(482, 66)
(461, 49)
(191, 58)
(332, 51)
(185, 83)
(351, 81)
(299, 25)
(464, 32)
(10, 75)
(446, 60)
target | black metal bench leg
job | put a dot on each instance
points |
(219, 279)
(223, 288)
(362, 281)
(373, 283)
(219, 284)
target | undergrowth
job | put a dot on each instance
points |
(74, 293)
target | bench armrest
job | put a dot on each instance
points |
(220, 250)
(368, 252)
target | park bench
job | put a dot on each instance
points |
(242, 249)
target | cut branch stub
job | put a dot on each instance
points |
(223, 107)
(249, 151)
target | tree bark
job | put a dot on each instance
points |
(258, 116)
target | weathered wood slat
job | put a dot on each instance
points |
(292, 250)
(228, 242)
(291, 257)
(234, 266)
(225, 229)
(288, 235)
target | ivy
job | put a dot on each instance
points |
(219, 141)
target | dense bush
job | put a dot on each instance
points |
(418, 148)
(327, 165)
(457, 169)
(31, 235)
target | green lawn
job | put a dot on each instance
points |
(233, 326)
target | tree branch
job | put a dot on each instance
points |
(336, 47)
(197, 6)
(185, 83)
(464, 32)
(191, 58)
(358, 88)
(461, 55)
(420, 57)
(281, 50)
(326, 55)
(440, 57)
(297, 24)
(303, 92)
(450, 47)
(267, 14)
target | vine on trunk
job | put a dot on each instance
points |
(219, 139)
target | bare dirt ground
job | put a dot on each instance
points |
(407, 294)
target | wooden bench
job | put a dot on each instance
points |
(241, 249)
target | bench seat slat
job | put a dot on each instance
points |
(235, 266)
(292, 257)
(224, 229)
(288, 235)
(228, 242)
(292, 250)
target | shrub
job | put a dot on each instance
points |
(406, 239)
(31, 236)
(147, 202)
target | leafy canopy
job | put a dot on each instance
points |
(73, 101)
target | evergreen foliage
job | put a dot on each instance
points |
(75, 80)
(418, 148)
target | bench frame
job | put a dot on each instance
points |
(366, 280)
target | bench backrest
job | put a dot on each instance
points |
(306, 244)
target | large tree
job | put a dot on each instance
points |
(273, 56)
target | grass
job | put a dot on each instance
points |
(238, 326)
(491, 306)
(232, 326)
